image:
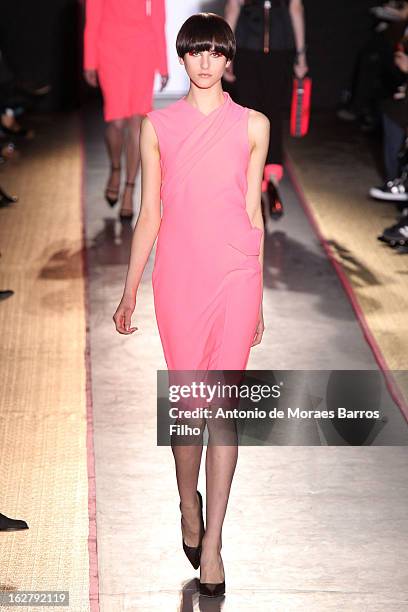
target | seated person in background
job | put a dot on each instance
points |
(395, 123)
(397, 234)
(392, 11)
(373, 78)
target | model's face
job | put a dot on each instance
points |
(205, 68)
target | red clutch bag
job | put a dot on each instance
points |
(300, 114)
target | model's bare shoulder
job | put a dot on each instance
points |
(147, 124)
(148, 131)
(258, 122)
(258, 127)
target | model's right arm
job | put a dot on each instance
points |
(93, 18)
(231, 15)
(232, 11)
(147, 225)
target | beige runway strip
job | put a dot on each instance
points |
(43, 453)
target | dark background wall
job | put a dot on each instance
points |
(335, 32)
(336, 29)
(41, 43)
(42, 40)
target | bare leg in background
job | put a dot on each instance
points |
(114, 138)
(132, 161)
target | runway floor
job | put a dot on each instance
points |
(309, 526)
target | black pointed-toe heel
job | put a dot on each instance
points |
(112, 200)
(6, 199)
(212, 589)
(193, 553)
(9, 524)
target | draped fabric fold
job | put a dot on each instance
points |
(197, 144)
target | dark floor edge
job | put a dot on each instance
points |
(390, 382)
(92, 534)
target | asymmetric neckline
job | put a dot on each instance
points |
(226, 99)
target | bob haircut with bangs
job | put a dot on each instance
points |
(206, 32)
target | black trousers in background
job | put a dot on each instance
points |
(394, 138)
(264, 83)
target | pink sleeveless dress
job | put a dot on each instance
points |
(207, 275)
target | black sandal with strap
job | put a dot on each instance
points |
(6, 199)
(113, 201)
(127, 216)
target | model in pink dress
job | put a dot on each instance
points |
(203, 159)
(124, 46)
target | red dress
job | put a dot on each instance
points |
(125, 41)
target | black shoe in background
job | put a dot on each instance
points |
(392, 191)
(6, 199)
(274, 201)
(397, 234)
(6, 294)
(8, 524)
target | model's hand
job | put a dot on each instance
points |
(123, 315)
(164, 81)
(91, 77)
(229, 74)
(259, 329)
(401, 60)
(301, 68)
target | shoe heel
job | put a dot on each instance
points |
(127, 216)
(193, 553)
(115, 199)
(212, 589)
(111, 201)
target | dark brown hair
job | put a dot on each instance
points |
(203, 32)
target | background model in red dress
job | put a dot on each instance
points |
(125, 42)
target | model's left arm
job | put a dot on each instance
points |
(258, 132)
(297, 15)
(93, 18)
(158, 8)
